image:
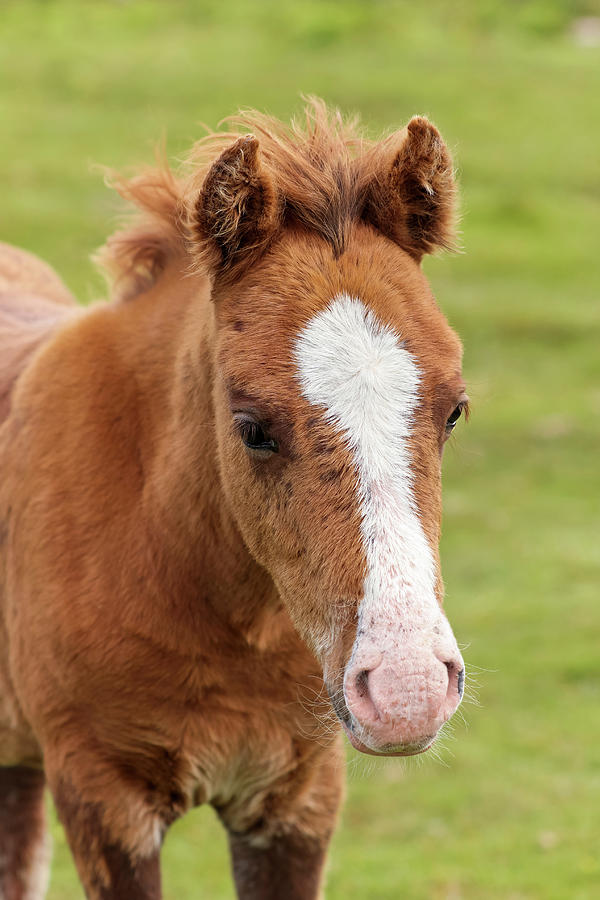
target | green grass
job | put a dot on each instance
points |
(513, 811)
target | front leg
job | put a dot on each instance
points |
(109, 865)
(288, 868)
(281, 854)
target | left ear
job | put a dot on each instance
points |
(412, 200)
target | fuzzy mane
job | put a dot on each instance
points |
(322, 168)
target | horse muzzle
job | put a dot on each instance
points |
(394, 701)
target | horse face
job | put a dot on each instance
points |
(337, 381)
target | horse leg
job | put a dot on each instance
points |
(24, 843)
(288, 868)
(281, 856)
(111, 864)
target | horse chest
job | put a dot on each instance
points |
(227, 729)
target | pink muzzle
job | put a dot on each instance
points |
(399, 697)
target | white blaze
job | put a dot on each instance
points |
(355, 368)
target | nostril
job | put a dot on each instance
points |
(361, 682)
(458, 674)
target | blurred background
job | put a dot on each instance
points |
(510, 806)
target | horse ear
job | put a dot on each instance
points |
(238, 209)
(412, 201)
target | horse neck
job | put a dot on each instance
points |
(193, 542)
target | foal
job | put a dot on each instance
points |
(220, 500)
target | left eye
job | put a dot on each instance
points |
(255, 437)
(453, 419)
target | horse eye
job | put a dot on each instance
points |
(453, 419)
(255, 437)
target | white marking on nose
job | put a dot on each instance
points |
(355, 368)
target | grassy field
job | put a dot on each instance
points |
(511, 811)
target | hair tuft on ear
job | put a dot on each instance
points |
(412, 200)
(237, 211)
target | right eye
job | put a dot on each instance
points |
(256, 437)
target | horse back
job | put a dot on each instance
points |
(33, 302)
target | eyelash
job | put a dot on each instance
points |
(458, 411)
(255, 437)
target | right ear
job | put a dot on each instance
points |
(238, 210)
